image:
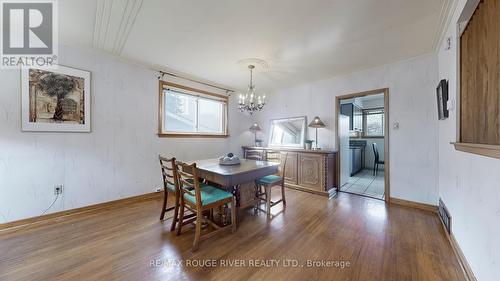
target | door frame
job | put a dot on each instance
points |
(387, 187)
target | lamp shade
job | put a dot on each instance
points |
(255, 127)
(317, 123)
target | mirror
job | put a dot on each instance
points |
(288, 132)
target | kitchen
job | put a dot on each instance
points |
(362, 145)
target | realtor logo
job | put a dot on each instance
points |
(28, 33)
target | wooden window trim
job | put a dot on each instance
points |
(204, 94)
(487, 150)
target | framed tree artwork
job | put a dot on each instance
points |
(55, 99)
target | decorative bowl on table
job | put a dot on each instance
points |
(229, 159)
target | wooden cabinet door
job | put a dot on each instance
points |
(312, 171)
(291, 168)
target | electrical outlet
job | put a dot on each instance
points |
(58, 189)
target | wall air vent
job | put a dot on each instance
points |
(444, 215)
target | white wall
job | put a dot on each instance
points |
(413, 148)
(117, 159)
(469, 184)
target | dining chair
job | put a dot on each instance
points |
(170, 186)
(270, 181)
(199, 197)
(253, 154)
(377, 159)
(273, 156)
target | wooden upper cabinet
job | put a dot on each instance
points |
(480, 76)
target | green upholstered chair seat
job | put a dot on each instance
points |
(209, 195)
(271, 179)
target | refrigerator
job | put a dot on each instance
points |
(345, 157)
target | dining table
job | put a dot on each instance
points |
(238, 179)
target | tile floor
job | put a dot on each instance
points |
(364, 183)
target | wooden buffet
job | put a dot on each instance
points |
(306, 170)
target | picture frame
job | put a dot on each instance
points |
(55, 99)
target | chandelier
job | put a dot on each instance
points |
(251, 101)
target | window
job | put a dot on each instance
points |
(373, 122)
(186, 111)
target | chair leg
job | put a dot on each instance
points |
(283, 193)
(176, 212)
(163, 210)
(181, 218)
(211, 214)
(268, 201)
(256, 198)
(374, 167)
(260, 190)
(233, 216)
(197, 233)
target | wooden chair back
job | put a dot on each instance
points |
(253, 154)
(168, 172)
(189, 182)
(283, 159)
(375, 151)
(273, 156)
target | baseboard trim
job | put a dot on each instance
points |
(91, 208)
(464, 264)
(412, 204)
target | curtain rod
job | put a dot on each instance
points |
(192, 80)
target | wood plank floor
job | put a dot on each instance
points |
(380, 242)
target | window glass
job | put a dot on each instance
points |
(185, 113)
(211, 116)
(374, 122)
(180, 112)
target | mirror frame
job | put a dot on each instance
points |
(303, 132)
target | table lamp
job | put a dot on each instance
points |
(255, 128)
(317, 123)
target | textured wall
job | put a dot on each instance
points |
(469, 184)
(413, 148)
(118, 159)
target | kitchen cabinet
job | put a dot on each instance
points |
(356, 160)
(355, 114)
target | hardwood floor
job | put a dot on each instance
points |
(380, 242)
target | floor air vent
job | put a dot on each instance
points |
(445, 216)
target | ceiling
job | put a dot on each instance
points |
(300, 40)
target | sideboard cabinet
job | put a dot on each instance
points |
(306, 170)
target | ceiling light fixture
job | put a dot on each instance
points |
(251, 102)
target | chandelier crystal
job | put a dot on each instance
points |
(251, 101)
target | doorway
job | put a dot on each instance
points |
(362, 138)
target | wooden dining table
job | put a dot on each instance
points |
(238, 179)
